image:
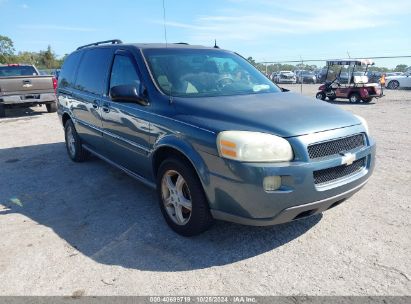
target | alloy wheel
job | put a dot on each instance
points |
(71, 142)
(354, 98)
(176, 197)
(394, 85)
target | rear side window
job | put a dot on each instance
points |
(123, 72)
(92, 73)
(67, 73)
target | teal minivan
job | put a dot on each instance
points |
(213, 135)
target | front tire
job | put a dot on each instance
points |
(51, 107)
(367, 100)
(355, 98)
(73, 143)
(182, 199)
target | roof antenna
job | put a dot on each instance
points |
(170, 96)
(164, 22)
(215, 44)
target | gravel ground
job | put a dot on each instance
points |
(88, 229)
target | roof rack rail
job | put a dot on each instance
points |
(184, 43)
(113, 41)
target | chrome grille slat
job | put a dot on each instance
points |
(335, 147)
(335, 173)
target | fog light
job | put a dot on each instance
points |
(271, 183)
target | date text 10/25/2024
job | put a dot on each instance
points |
(205, 299)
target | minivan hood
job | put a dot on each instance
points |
(283, 114)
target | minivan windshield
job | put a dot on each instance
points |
(205, 73)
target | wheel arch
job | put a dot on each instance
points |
(64, 118)
(173, 146)
(354, 93)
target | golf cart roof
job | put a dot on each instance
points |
(350, 62)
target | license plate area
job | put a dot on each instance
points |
(30, 96)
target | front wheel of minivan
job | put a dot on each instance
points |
(73, 143)
(182, 199)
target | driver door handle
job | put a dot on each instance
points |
(106, 108)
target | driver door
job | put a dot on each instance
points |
(126, 130)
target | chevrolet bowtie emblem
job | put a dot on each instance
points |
(347, 159)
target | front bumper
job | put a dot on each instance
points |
(235, 190)
(285, 80)
(291, 213)
(309, 80)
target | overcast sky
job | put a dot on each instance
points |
(266, 30)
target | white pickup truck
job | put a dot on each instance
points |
(23, 86)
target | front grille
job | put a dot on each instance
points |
(334, 173)
(335, 147)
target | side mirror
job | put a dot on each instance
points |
(127, 93)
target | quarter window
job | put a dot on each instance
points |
(67, 75)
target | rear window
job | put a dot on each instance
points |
(7, 71)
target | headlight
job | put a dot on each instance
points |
(253, 147)
(364, 122)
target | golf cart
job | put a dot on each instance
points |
(347, 78)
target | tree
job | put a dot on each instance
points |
(61, 61)
(48, 58)
(401, 68)
(251, 60)
(27, 57)
(379, 69)
(6, 49)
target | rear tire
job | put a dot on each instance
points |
(320, 95)
(73, 143)
(393, 85)
(179, 189)
(355, 98)
(51, 107)
(2, 111)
